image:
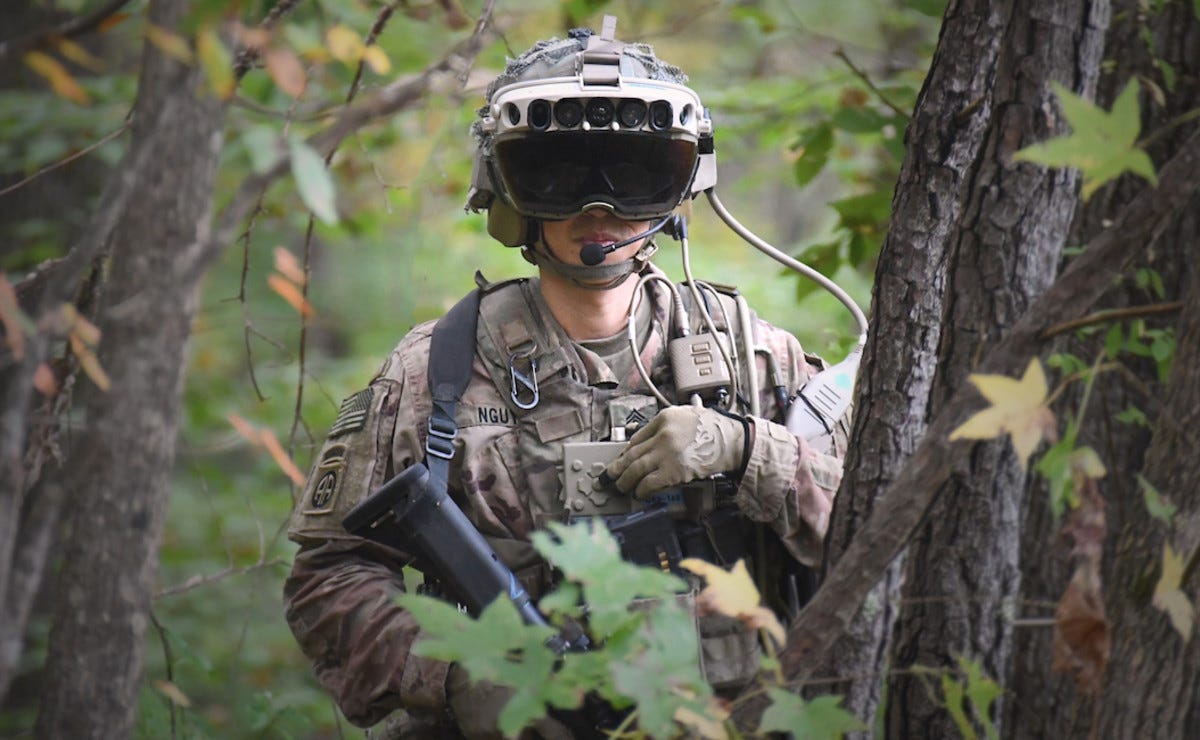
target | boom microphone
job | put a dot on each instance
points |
(593, 253)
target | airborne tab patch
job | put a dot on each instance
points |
(352, 416)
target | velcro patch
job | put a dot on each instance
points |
(352, 415)
(328, 476)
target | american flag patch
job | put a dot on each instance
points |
(352, 416)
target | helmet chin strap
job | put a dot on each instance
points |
(597, 277)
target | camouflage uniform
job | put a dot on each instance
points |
(506, 475)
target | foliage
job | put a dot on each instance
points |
(290, 323)
(646, 654)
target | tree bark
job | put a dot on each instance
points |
(1039, 696)
(962, 570)
(122, 459)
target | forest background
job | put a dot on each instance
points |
(320, 266)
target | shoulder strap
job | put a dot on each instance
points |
(451, 357)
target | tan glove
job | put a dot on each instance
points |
(477, 707)
(679, 445)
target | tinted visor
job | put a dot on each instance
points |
(556, 174)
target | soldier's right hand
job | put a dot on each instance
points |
(477, 706)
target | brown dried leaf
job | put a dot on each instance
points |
(287, 71)
(456, 18)
(244, 428)
(44, 381)
(79, 55)
(1082, 634)
(290, 293)
(173, 692)
(281, 457)
(287, 264)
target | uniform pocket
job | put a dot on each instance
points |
(730, 653)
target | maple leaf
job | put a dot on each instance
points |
(733, 594)
(1169, 596)
(1018, 408)
(1102, 145)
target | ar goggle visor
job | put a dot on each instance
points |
(556, 174)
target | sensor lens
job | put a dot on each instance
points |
(568, 112)
(539, 115)
(632, 113)
(661, 115)
(599, 112)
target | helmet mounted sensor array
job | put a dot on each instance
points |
(601, 137)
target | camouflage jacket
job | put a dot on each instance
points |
(506, 475)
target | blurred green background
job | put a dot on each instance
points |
(808, 152)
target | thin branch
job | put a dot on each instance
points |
(246, 57)
(387, 102)
(170, 661)
(198, 580)
(841, 54)
(69, 158)
(1112, 314)
(76, 26)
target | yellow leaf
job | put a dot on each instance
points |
(710, 725)
(89, 363)
(286, 264)
(377, 60)
(733, 594)
(344, 44)
(173, 692)
(79, 55)
(290, 293)
(217, 62)
(287, 72)
(10, 318)
(169, 43)
(1170, 598)
(87, 332)
(60, 79)
(1018, 408)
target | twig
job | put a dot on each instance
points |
(247, 56)
(170, 661)
(69, 158)
(76, 26)
(1112, 314)
(841, 54)
(197, 580)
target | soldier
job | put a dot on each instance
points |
(586, 148)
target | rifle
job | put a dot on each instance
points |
(409, 514)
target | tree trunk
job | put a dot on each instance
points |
(122, 459)
(1039, 697)
(962, 572)
(959, 203)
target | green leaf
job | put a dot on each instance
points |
(1055, 465)
(860, 120)
(1066, 363)
(818, 719)
(262, 146)
(1157, 505)
(1133, 415)
(1113, 341)
(813, 150)
(953, 693)
(1101, 145)
(313, 180)
(981, 691)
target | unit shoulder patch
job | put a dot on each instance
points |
(328, 481)
(352, 416)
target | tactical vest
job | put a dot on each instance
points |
(558, 393)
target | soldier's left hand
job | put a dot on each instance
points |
(679, 445)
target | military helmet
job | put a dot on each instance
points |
(588, 121)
